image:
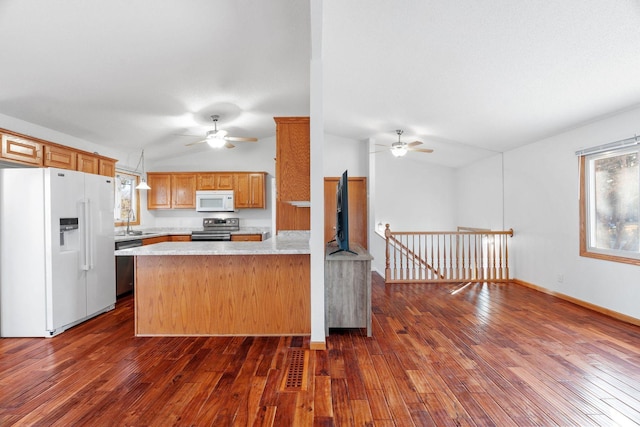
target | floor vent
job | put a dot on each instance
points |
(296, 370)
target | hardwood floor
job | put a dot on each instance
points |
(485, 355)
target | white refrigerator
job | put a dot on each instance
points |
(57, 263)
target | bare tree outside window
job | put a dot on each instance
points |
(610, 206)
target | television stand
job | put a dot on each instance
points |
(347, 289)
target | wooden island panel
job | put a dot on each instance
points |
(223, 295)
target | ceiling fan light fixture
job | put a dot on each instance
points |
(398, 150)
(216, 142)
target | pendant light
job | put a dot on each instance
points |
(143, 183)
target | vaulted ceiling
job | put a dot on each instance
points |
(468, 78)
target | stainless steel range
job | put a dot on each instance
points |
(216, 229)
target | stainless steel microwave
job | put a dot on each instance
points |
(214, 201)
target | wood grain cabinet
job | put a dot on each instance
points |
(88, 163)
(293, 169)
(183, 191)
(246, 237)
(215, 181)
(107, 167)
(60, 157)
(21, 150)
(159, 197)
(250, 190)
(171, 190)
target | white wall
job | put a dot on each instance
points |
(541, 204)
(342, 154)
(410, 195)
(479, 194)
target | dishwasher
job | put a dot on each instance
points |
(125, 275)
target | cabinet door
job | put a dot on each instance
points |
(215, 181)
(246, 237)
(107, 167)
(250, 190)
(22, 150)
(152, 240)
(59, 157)
(293, 159)
(183, 191)
(87, 163)
(159, 197)
(206, 181)
(225, 181)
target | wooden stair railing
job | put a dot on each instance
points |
(466, 255)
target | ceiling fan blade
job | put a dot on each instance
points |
(240, 139)
(228, 145)
(422, 150)
(197, 142)
(414, 143)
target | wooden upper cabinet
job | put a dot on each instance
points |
(183, 191)
(107, 167)
(88, 163)
(159, 197)
(22, 150)
(60, 157)
(38, 152)
(293, 177)
(293, 172)
(171, 190)
(215, 181)
(250, 191)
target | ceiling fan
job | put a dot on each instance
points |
(399, 148)
(219, 138)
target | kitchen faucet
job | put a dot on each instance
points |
(128, 221)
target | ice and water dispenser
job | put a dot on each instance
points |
(68, 225)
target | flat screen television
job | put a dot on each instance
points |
(342, 214)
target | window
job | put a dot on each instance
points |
(610, 204)
(127, 205)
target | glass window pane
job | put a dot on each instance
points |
(615, 206)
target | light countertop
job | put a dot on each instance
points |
(147, 233)
(286, 243)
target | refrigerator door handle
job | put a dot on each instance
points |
(85, 230)
(90, 231)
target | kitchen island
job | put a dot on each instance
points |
(223, 288)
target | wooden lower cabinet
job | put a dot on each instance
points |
(246, 237)
(180, 238)
(223, 295)
(157, 239)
